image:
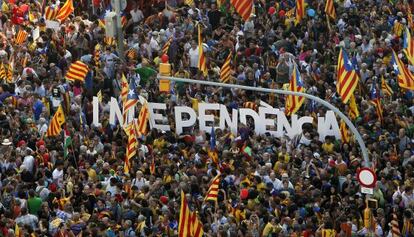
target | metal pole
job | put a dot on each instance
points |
(119, 31)
(285, 92)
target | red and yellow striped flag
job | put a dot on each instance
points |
(184, 224)
(56, 123)
(201, 57)
(189, 225)
(408, 46)
(51, 13)
(97, 55)
(300, 10)
(143, 118)
(109, 41)
(196, 225)
(405, 77)
(152, 166)
(386, 89)
(353, 108)
(77, 71)
(166, 46)
(330, 9)
(212, 192)
(344, 132)
(293, 103)
(395, 228)
(21, 37)
(347, 77)
(131, 53)
(124, 88)
(225, 71)
(243, 7)
(3, 72)
(131, 149)
(65, 11)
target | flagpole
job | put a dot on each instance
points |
(329, 23)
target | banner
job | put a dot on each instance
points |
(266, 120)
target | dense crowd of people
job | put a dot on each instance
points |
(304, 186)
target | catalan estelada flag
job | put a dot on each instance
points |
(21, 37)
(386, 89)
(77, 71)
(347, 77)
(300, 10)
(212, 191)
(376, 101)
(55, 125)
(166, 46)
(293, 103)
(65, 11)
(131, 101)
(344, 132)
(330, 9)
(404, 76)
(225, 71)
(212, 152)
(243, 7)
(408, 45)
(353, 108)
(201, 57)
(51, 13)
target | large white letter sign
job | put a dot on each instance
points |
(154, 117)
(203, 117)
(328, 126)
(95, 111)
(283, 124)
(249, 112)
(114, 110)
(179, 122)
(265, 122)
(225, 119)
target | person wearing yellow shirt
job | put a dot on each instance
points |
(194, 101)
(272, 227)
(328, 146)
(91, 172)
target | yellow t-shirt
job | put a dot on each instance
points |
(92, 174)
(194, 103)
(328, 148)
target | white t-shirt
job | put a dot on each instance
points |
(136, 15)
(57, 175)
(193, 57)
(154, 45)
(29, 162)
